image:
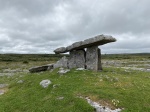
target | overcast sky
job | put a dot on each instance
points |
(40, 26)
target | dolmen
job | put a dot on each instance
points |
(84, 54)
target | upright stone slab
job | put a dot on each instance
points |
(63, 62)
(80, 58)
(93, 58)
(77, 59)
(71, 61)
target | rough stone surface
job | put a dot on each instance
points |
(62, 71)
(20, 81)
(60, 50)
(80, 69)
(74, 45)
(40, 68)
(72, 58)
(100, 108)
(2, 92)
(95, 41)
(63, 62)
(93, 58)
(77, 59)
(3, 85)
(45, 83)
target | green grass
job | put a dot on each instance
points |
(130, 88)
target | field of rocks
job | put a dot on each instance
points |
(123, 85)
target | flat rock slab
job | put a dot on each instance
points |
(41, 68)
(95, 41)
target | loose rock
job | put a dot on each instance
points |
(80, 69)
(20, 81)
(45, 83)
(3, 85)
(63, 71)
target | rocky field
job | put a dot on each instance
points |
(123, 85)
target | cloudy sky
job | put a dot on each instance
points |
(40, 26)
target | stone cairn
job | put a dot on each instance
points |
(83, 54)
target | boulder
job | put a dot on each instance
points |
(41, 68)
(95, 41)
(45, 83)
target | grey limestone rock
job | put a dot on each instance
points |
(45, 83)
(20, 81)
(41, 68)
(74, 46)
(62, 71)
(63, 62)
(94, 41)
(100, 108)
(72, 58)
(3, 85)
(77, 59)
(93, 58)
(60, 50)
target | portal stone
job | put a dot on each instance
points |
(93, 58)
(77, 59)
(80, 59)
(72, 58)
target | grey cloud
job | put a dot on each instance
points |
(43, 25)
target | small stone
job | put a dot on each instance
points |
(80, 69)
(3, 85)
(62, 71)
(2, 92)
(56, 85)
(20, 81)
(60, 98)
(45, 83)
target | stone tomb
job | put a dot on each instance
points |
(89, 58)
